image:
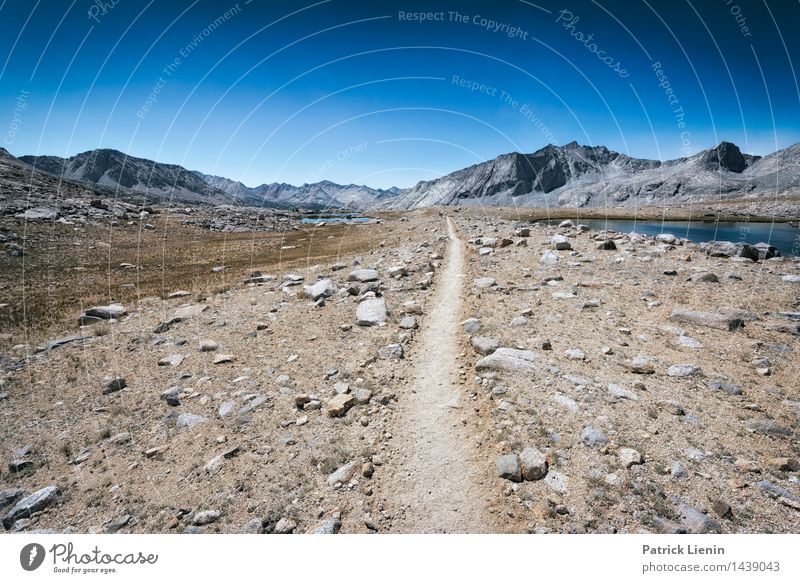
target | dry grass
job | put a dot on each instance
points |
(66, 270)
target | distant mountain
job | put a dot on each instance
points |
(325, 194)
(114, 170)
(594, 176)
(554, 176)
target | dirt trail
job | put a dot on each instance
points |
(438, 478)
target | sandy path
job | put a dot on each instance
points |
(438, 478)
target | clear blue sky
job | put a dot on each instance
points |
(355, 92)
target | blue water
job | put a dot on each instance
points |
(314, 220)
(781, 235)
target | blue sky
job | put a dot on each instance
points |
(366, 93)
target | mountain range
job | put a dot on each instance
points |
(594, 176)
(568, 176)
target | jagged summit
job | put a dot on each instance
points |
(576, 175)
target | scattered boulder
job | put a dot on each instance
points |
(188, 420)
(343, 474)
(364, 275)
(641, 365)
(114, 385)
(508, 359)
(684, 370)
(324, 288)
(768, 427)
(391, 352)
(99, 313)
(371, 312)
(484, 345)
(708, 319)
(533, 464)
(560, 243)
(629, 457)
(340, 404)
(509, 468)
(593, 438)
(31, 504)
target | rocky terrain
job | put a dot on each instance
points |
(460, 374)
(586, 176)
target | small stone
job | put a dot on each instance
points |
(31, 504)
(408, 323)
(768, 427)
(484, 345)
(188, 420)
(252, 526)
(629, 457)
(285, 526)
(171, 360)
(371, 312)
(114, 385)
(684, 370)
(508, 467)
(205, 517)
(721, 508)
(533, 463)
(223, 358)
(364, 275)
(619, 392)
(329, 526)
(575, 354)
(208, 346)
(593, 438)
(343, 474)
(367, 469)
(642, 365)
(677, 471)
(339, 405)
(391, 352)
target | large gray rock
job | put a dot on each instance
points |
(484, 345)
(328, 526)
(768, 427)
(344, 473)
(97, 313)
(707, 319)
(593, 438)
(324, 288)
(508, 359)
(340, 404)
(188, 420)
(36, 502)
(364, 275)
(391, 352)
(695, 522)
(508, 467)
(8, 497)
(371, 312)
(38, 214)
(534, 464)
(560, 243)
(684, 370)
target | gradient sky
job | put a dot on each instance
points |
(347, 91)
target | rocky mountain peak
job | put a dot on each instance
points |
(726, 156)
